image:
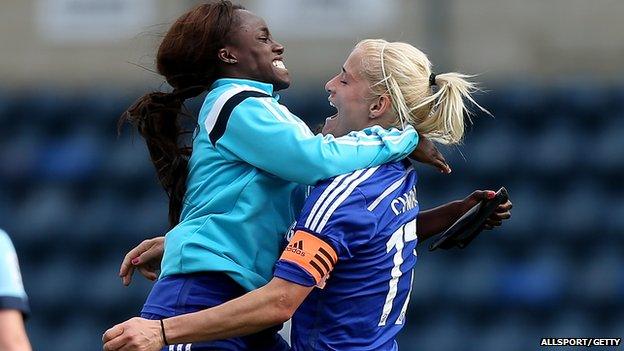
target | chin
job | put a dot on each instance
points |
(332, 127)
(281, 84)
(325, 130)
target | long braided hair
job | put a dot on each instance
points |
(187, 58)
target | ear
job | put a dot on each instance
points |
(379, 106)
(226, 55)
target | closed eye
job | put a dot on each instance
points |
(343, 77)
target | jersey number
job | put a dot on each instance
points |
(397, 241)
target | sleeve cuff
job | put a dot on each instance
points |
(293, 273)
(15, 303)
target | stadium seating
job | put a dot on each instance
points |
(75, 197)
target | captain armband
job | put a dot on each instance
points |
(311, 254)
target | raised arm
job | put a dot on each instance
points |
(436, 220)
(262, 134)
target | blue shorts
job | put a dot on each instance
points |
(184, 293)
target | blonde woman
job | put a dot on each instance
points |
(361, 227)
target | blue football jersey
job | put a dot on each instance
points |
(356, 240)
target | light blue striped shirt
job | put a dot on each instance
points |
(12, 294)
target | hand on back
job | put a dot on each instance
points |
(145, 257)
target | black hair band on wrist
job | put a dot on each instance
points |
(162, 329)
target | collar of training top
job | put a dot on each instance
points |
(266, 87)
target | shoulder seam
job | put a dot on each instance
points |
(226, 110)
(333, 198)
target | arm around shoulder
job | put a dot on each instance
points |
(261, 134)
(265, 307)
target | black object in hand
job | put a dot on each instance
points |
(468, 226)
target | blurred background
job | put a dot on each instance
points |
(75, 197)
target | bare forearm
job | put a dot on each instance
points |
(255, 311)
(436, 220)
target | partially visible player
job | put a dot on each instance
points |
(361, 227)
(13, 300)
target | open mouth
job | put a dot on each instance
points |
(279, 64)
(334, 106)
(330, 122)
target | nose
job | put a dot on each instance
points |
(278, 48)
(329, 86)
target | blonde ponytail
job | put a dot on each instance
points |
(402, 71)
(446, 119)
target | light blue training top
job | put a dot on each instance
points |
(12, 294)
(242, 190)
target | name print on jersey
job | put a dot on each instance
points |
(405, 202)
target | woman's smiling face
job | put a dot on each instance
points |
(258, 55)
(351, 95)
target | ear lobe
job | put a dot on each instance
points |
(226, 56)
(379, 107)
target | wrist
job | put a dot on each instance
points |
(177, 329)
(163, 334)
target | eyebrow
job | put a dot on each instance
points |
(345, 72)
(265, 30)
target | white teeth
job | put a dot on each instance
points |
(279, 64)
(332, 104)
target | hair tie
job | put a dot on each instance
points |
(432, 78)
(187, 93)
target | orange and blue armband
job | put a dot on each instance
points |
(311, 254)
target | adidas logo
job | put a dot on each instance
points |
(297, 248)
(298, 245)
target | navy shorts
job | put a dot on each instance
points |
(184, 293)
